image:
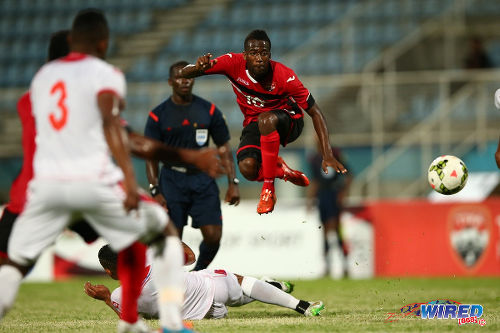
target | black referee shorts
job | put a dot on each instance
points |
(288, 128)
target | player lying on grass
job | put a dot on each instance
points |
(207, 292)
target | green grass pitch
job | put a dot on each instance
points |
(351, 306)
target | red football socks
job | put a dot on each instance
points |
(269, 145)
(131, 265)
(280, 173)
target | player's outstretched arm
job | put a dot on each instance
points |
(153, 150)
(109, 105)
(202, 64)
(322, 132)
(101, 293)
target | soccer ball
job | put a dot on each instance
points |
(447, 174)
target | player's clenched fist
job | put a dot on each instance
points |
(203, 63)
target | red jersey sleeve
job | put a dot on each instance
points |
(226, 64)
(298, 92)
(20, 184)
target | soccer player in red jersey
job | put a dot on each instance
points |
(273, 100)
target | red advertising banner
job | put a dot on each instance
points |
(420, 238)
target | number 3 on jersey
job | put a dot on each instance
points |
(59, 121)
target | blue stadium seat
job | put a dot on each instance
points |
(333, 62)
(237, 40)
(8, 8)
(178, 43)
(391, 32)
(277, 13)
(493, 49)
(206, 41)
(372, 34)
(13, 75)
(216, 18)
(160, 69)
(139, 70)
(27, 73)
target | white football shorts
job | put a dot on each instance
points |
(228, 292)
(51, 205)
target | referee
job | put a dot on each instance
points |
(187, 121)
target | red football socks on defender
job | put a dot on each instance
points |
(131, 261)
(269, 145)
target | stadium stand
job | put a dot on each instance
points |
(336, 46)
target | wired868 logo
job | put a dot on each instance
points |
(464, 313)
(442, 309)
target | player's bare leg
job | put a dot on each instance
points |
(209, 246)
(250, 169)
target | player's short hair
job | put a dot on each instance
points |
(58, 45)
(257, 35)
(90, 26)
(108, 258)
(181, 63)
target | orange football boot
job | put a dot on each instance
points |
(267, 201)
(293, 176)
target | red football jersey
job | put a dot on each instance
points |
(20, 184)
(252, 98)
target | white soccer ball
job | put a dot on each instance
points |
(447, 174)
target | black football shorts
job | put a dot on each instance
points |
(288, 128)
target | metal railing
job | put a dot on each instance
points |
(444, 129)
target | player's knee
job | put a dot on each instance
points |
(267, 122)
(249, 168)
(212, 236)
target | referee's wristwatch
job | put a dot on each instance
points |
(154, 190)
(236, 181)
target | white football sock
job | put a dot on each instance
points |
(11, 278)
(267, 293)
(168, 279)
(332, 239)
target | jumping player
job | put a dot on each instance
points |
(272, 99)
(188, 121)
(76, 104)
(208, 292)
